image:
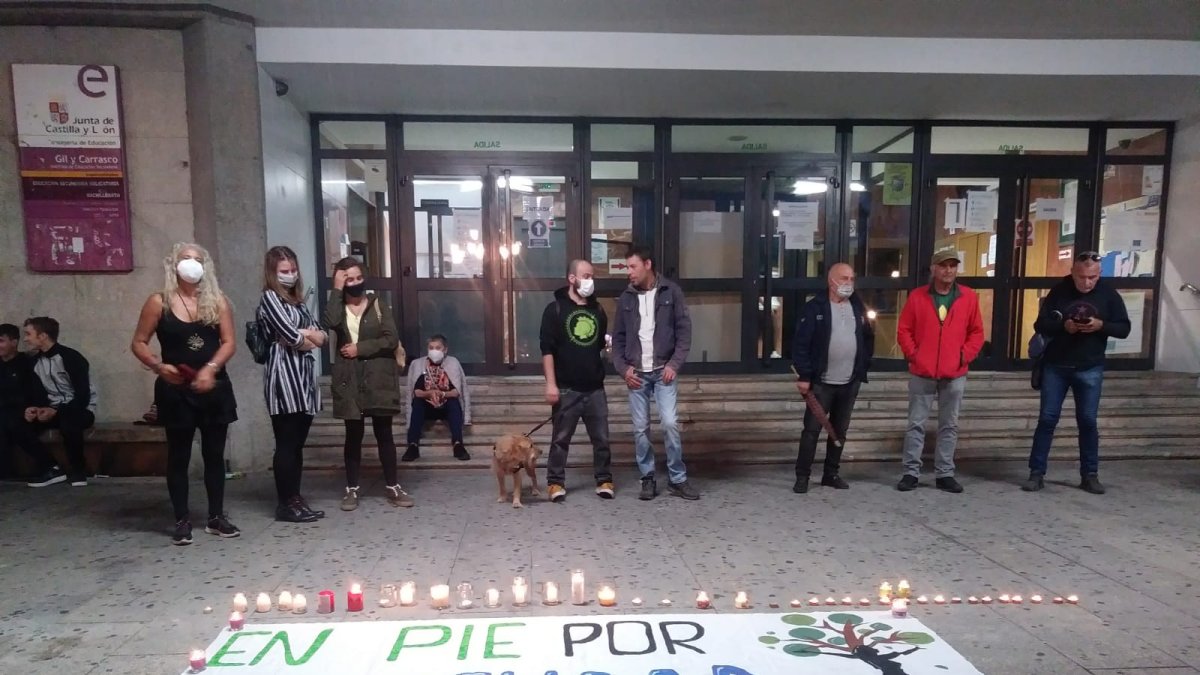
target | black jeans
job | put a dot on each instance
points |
(838, 402)
(567, 413)
(382, 426)
(179, 457)
(15, 432)
(291, 433)
(422, 412)
(72, 424)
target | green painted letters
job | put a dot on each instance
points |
(282, 638)
(491, 643)
(466, 642)
(227, 648)
(407, 629)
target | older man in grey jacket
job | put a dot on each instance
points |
(652, 335)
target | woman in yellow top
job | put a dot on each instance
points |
(364, 376)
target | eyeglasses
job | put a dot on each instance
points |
(1088, 255)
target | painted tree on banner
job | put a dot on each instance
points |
(846, 636)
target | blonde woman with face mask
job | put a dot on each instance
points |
(193, 322)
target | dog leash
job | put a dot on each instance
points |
(550, 419)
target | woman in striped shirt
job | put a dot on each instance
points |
(289, 379)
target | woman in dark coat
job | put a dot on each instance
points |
(365, 374)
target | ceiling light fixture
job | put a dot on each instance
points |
(810, 187)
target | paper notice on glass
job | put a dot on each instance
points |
(955, 214)
(992, 248)
(703, 222)
(1050, 209)
(616, 218)
(599, 249)
(798, 222)
(1135, 306)
(982, 207)
(1129, 231)
(1152, 177)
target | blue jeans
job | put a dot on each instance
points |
(1085, 385)
(639, 409)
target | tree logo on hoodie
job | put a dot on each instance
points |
(582, 328)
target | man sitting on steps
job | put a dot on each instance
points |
(439, 392)
(65, 375)
(20, 395)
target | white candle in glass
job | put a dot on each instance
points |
(408, 594)
(741, 600)
(578, 588)
(466, 595)
(263, 604)
(550, 593)
(606, 596)
(285, 601)
(439, 596)
(299, 603)
(493, 597)
(899, 608)
(520, 591)
(239, 602)
(902, 589)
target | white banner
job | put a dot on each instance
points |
(650, 644)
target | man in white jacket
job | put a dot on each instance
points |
(439, 392)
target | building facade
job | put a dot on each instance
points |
(466, 151)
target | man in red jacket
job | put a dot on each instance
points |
(940, 333)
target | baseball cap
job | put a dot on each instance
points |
(945, 254)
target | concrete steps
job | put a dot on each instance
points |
(746, 419)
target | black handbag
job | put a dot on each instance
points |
(257, 341)
(1037, 352)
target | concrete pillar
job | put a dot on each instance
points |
(227, 194)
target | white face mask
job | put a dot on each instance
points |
(287, 280)
(586, 288)
(436, 355)
(845, 290)
(190, 270)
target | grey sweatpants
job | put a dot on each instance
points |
(921, 393)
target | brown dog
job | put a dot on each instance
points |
(510, 455)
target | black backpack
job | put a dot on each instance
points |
(258, 341)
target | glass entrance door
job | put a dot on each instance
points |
(487, 247)
(1013, 226)
(745, 241)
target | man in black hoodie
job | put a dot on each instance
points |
(572, 341)
(21, 394)
(1078, 317)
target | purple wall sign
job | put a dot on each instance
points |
(74, 190)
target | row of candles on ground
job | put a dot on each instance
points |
(405, 595)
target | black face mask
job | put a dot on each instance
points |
(355, 291)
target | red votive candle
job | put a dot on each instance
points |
(354, 598)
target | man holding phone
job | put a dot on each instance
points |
(1078, 316)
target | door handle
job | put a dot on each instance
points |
(408, 270)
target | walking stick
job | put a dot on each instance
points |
(814, 407)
